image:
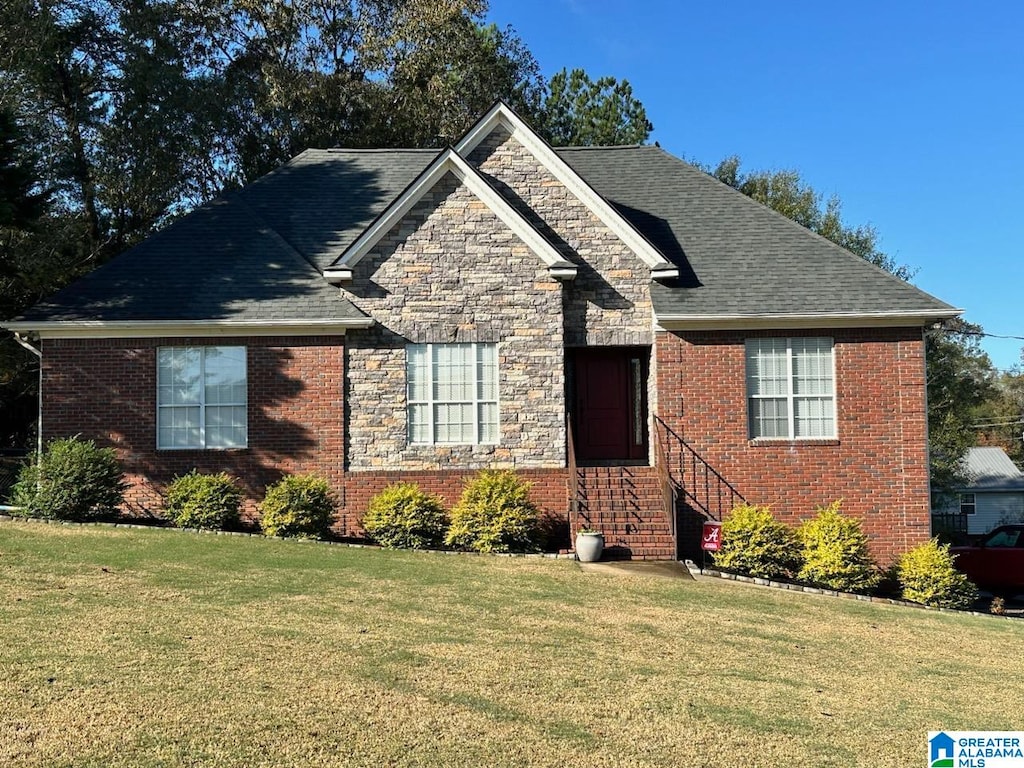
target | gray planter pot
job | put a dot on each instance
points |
(589, 547)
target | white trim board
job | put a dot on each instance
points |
(129, 329)
(797, 321)
(448, 161)
(503, 115)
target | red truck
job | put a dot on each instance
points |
(996, 561)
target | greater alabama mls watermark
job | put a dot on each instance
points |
(976, 749)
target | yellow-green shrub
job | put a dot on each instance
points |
(927, 575)
(203, 501)
(298, 506)
(403, 515)
(835, 552)
(494, 514)
(756, 544)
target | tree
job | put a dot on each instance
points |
(999, 420)
(578, 111)
(960, 380)
(22, 205)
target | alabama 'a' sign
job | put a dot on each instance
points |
(711, 538)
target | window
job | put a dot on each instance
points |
(967, 505)
(201, 397)
(452, 393)
(790, 388)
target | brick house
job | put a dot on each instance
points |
(643, 343)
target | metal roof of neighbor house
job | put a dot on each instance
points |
(992, 470)
(258, 254)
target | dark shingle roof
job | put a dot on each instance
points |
(257, 254)
(735, 255)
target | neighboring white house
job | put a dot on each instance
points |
(995, 495)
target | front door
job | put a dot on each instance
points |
(610, 403)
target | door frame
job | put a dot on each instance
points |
(637, 407)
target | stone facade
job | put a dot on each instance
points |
(452, 271)
(609, 302)
(878, 465)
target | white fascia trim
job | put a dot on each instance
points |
(501, 114)
(798, 321)
(128, 329)
(448, 161)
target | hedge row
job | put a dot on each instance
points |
(831, 551)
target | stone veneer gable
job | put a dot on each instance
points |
(609, 302)
(452, 271)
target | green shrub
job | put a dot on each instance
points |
(495, 514)
(927, 575)
(835, 552)
(73, 479)
(402, 515)
(756, 544)
(298, 506)
(203, 501)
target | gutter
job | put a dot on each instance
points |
(24, 342)
(99, 329)
(795, 320)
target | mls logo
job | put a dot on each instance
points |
(941, 750)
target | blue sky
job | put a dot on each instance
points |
(912, 112)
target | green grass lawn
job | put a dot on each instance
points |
(124, 647)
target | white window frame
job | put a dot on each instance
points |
(968, 507)
(790, 396)
(202, 405)
(431, 403)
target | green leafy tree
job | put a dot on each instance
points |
(999, 420)
(579, 111)
(960, 380)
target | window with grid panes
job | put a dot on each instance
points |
(791, 388)
(452, 393)
(201, 397)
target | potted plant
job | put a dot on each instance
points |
(589, 545)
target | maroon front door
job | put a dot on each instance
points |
(610, 407)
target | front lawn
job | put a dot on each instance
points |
(124, 647)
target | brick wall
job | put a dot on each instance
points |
(879, 463)
(105, 389)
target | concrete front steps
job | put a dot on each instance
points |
(626, 504)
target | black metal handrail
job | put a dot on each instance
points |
(574, 475)
(702, 486)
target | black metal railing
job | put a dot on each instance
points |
(701, 485)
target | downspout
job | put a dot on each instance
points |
(23, 341)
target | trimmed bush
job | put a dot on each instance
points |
(494, 514)
(927, 575)
(404, 516)
(835, 552)
(298, 506)
(73, 479)
(203, 501)
(756, 544)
